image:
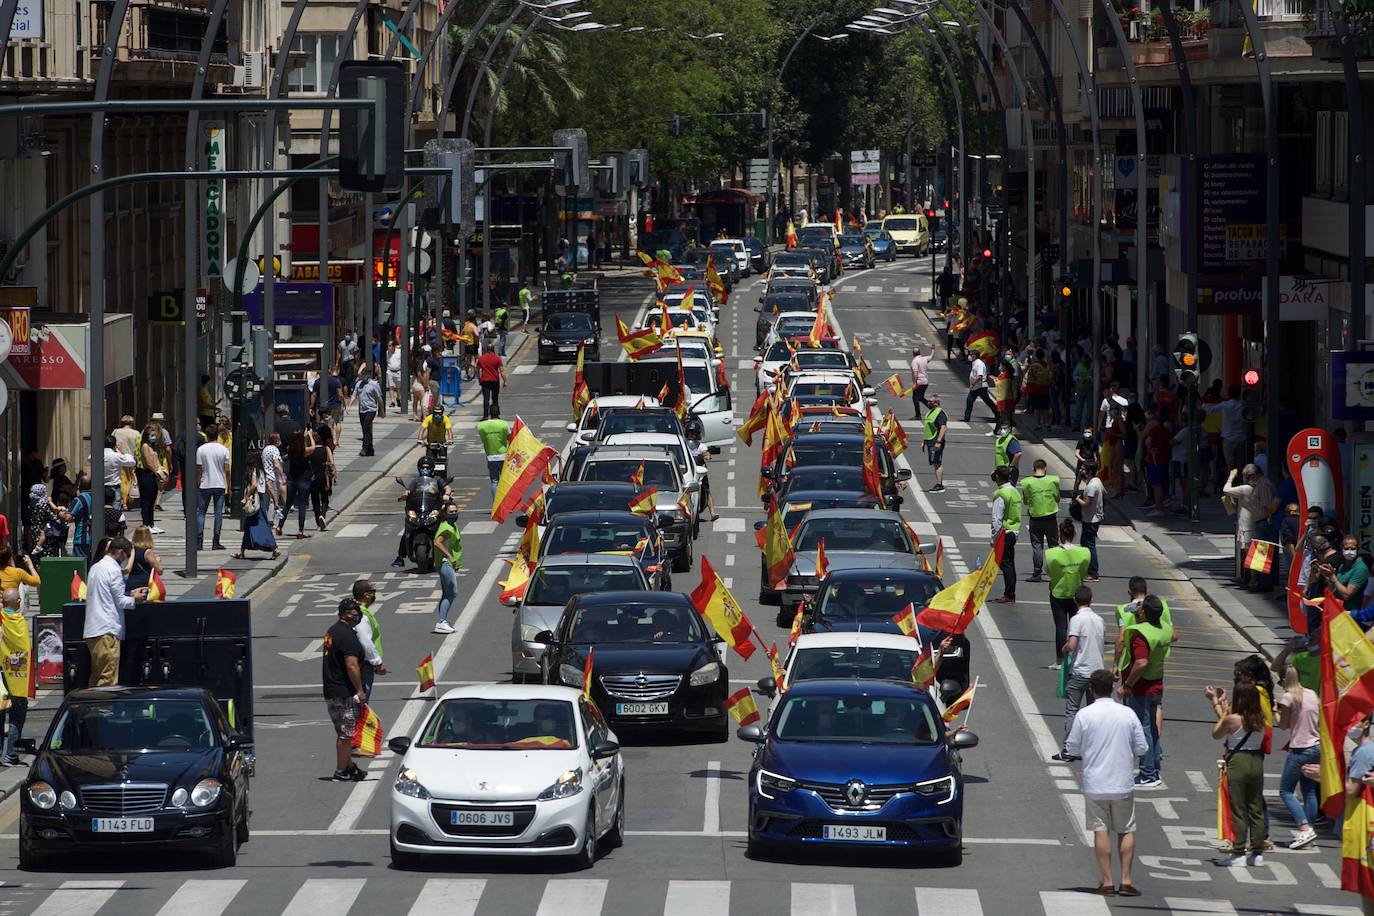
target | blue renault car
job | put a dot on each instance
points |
(863, 763)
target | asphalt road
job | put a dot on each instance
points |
(321, 846)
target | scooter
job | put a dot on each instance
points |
(424, 499)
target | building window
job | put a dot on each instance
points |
(1322, 159)
(1340, 156)
(321, 51)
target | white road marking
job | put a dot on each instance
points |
(711, 818)
(572, 897)
(978, 530)
(823, 900)
(1198, 780)
(202, 898)
(1310, 909)
(697, 898)
(355, 530)
(1326, 875)
(898, 364)
(1190, 906)
(729, 559)
(324, 895)
(947, 901)
(874, 289)
(730, 497)
(448, 897)
(523, 370)
(728, 524)
(485, 526)
(901, 289)
(1115, 535)
(78, 898)
(1069, 903)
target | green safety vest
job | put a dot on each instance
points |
(376, 630)
(932, 430)
(1159, 639)
(446, 528)
(1126, 614)
(1011, 507)
(493, 434)
(1066, 567)
(1041, 495)
(1001, 450)
(525, 297)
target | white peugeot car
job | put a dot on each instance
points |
(501, 769)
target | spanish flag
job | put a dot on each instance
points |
(796, 631)
(367, 734)
(581, 394)
(861, 367)
(1357, 835)
(425, 672)
(1259, 557)
(1226, 828)
(953, 608)
(791, 235)
(689, 299)
(469, 333)
(587, 674)
(984, 343)
(715, 284)
(714, 602)
(906, 620)
(779, 675)
(645, 502)
(513, 588)
(637, 344)
(78, 587)
(778, 553)
(157, 589)
(1004, 392)
(872, 478)
(822, 565)
(742, 707)
(722, 379)
(940, 558)
(923, 669)
(961, 703)
(820, 328)
(893, 434)
(526, 460)
(894, 385)
(667, 273)
(637, 477)
(1347, 695)
(226, 583)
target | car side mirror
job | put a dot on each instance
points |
(768, 687)
(585, 436)
(872, 402)
(767, 473)
(571, 427)
(544, 638)
(904, 473)
(751, 733)
(963, 741)
(925, 550)
(399, 745)
(868, 392)
(758, 359)
(759, 526)
(521, 521)
(605, 748)
(510, 600)
(27, 745)
(239, 742)
(691, 486)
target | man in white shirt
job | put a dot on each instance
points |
(1108, 738)
(115, 462)
(212, 479)
(1232, 427)
(978, 384)
(1085, 644)
(920, 380)
(1092, 501)
(106, 603)
(1110, 398)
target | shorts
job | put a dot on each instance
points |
(343, 712)
(417, 389)
(1157, 474)
(935, 454)
(1112, 815)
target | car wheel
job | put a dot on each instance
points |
(226, 854)
(586, 856)
(683, 562)
(757, 849)
(28, 859)
(405, 861)
(721, 733)
(241, 833)
(615, 837)
(953, 857)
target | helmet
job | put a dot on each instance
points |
(437, 410)
(425, 466)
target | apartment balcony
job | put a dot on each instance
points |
(160, 40)
(47, 61)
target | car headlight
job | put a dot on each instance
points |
(433, 513)
(411, 514)
(407, 783)
(43, 795)
(67, 800)
(589, 340)
(940, 790)
(570, 675)
(546, 341)
(776, 782)
(528, 631)
(206, 793)
(180, 797)
(566, 786)
(708, 673)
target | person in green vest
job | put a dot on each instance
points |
(494, 433)
(1040, 495)
(448, 559)
(501, 318)
(1006, 519)
(526, 300)
(1066, 566)
(934, 440)
(1128, 613)
(1007, 451)
(1141, 669)
(369, 633)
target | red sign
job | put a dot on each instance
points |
(18, 319)
(51, 363)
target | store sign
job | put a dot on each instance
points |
(213, 229)
(1352, 385)
(345, 272)
(56, 360)
(28, 20)
(17, 317)
(297, 304)
(1300, 298)
(1230, 232)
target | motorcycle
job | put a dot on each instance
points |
(424, 499)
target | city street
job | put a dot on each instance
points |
(321, 846)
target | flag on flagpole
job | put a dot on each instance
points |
(796, 631)
(637, 344)
(645, 502)
(581, 394)
(961, 703)
(953, 608)
(78, 587)
(1347, 695)
(513, 588)
(940, 559)
(779, 675)
(425, 671)
(1357, 835)
(1259, 556)
(861, 367)
(894, 385)
(742, 707)
(822, 564)
(526, 460)
(923, 670)
(758, 416)
(984, 343)
(906, 620)
(637, 475)
(872, 478)
(714, 602)
(587, 674)
(778, 552)
(157, 589)
(226, 583)
(1225, 828)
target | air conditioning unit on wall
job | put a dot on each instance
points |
(249, 74)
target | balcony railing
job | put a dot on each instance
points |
(52, 59)
(157, 30)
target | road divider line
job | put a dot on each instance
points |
(711, 820)
(697, 898)
(202, 898)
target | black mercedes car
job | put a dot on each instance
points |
(655, 662)
(136, 769)
(606, 531)
(563, 333)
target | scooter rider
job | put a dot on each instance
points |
(424, 471)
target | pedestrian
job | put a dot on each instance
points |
(212, 483)
(115, 463)
(1252, 496)
(526, 299)
(369, 634)
(16, 656)
(486, 330)
(80, 511)
(106, 602)
(1158, 450)
(491, 375)
(369, 400)
(1086, 449)
(274, 477)
(257, 512)
(299, 448)
(143, 561)
(393, 375)
(933, 438)
(1066, 566)
(501, 317)
(1091, 502)
(1108, 738)
(149, 474)
(419, 385)
(494, 434)
(920, 380)
(979, 382)
(1082, 651)
(701, 454)
(329, 401)
(1299, 713)
(434, 374)
(322, 474)
(448, 556)
(1006, 520)
(1232, 411)
(13, 575)
(1082, 415)
(348, 359)
(1140, 666)
(59, 482)
(54, 520)
(1036, 384)
(1040, 496)
(1240, 727)
(342, 680)
(1007, 449)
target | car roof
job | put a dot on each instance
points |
(595, 516)
(621, 452)
(621, 400)
(853, 686)
(126, 692)
(862, 639)
(837, 470)
(882, 570)
(588, 559)
(605, 486)
(600, 599)
(807, 496)
(887, 514)
(827, 376)
(831, 436)
(492, 691)
(645, 439)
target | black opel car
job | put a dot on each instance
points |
(563, 333)
(655, 662)
(136, 769)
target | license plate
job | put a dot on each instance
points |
(641, 709)
(568, 348)
(854, 833)
(481, 818)
(122, 825)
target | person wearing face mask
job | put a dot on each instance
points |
(1347, 577)
(1253, 496)
(1086, 450)
(1007, 451)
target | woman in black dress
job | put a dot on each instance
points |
(322, 473)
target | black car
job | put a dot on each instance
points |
(610, 531)
(839, 449)
(563, 333)
(760, 258)
(136, 769)
(826, 263)
(855, 250)
(583, 496)
(727, 265)
(655, 662)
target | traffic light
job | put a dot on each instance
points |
(1186, 363)
(372, 140)
(675, 126)
(1251, 397)
(987, 254)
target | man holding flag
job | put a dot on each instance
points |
(343, 687)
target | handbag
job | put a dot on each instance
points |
(251, 506)
(1065, 663)
(1075, 511)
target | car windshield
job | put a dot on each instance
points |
(791, 259)
(872, 232)
(597, 537)
(691, 349)
(844, 390)
(501, 725)
(822, 359)
(875, 600)
(639, 421)
(779, 352)
(856, 239)
(696, 256)
(862, 533)
(724, 251)
(569, 321)
(661, 474)
(857, 720)
(814, 235)
(852, 661)
(639, 623)
(829, 479)
(94, 726)
(838, 453)
(792, 303)
(556, 585)
(583, 498)
(907, 224)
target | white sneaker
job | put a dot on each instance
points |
(156, 530)
(1303, 838)
(1254, 860)
(1226, 861)
(443, 626)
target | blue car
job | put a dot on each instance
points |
(863, 763)
(884, 245)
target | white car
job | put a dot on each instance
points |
(843, 385)
(883, 656)
(500, 769)
(710, 403)
(746, 266)
(691, 347)
(591, 416)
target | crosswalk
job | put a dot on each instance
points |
(581, 897)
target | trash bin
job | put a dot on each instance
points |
(451, 381)
(56, 573)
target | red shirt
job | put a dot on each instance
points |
(1158, 444)
(489, 367)
(1140, 651)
